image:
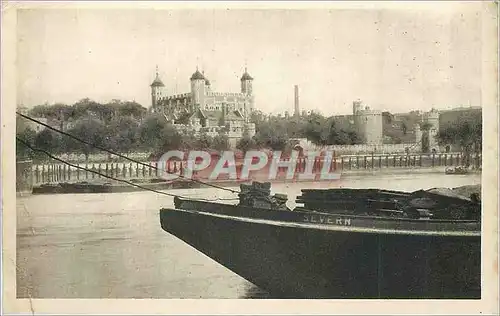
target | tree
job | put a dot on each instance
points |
(204, 141)
(221, 142)
(152, 132)
(27, 135)
(171, 139)
(272, 134)
(90, 130)
(49, 140)
(246, 143)
(404, 127)
(123, 134)
(465, 133)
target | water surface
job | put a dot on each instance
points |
(112, 245)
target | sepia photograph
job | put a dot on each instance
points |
(251, 154)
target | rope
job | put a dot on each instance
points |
(112, 178)
(120, 155)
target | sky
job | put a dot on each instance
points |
(392, 59)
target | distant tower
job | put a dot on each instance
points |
(297, 109)
(432, 118)
(368, 123)
(156, 90)
(246, 83)
(198, 89)
(356, 106)
(207, 82)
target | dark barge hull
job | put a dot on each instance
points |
(293, 259)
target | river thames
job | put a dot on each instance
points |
(112, 245)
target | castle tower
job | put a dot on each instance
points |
(246, 83)
(198, 89)
(156, 90)
(368, 124)
(207, 83)
(356, 106)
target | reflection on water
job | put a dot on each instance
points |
(112, 245)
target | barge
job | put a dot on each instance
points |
(341, 243)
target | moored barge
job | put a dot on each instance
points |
(342, 243)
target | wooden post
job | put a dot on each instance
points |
(366, 162)
(350, 164)
(341, 163)
(400, 161)
(143, 171)
(150, 170)
(130, 170)
(86, 171)
(124, 171)
(433, 158)
(43, 174)
(156, 168)
(414, 161)
(137, 170)
(445, 160)
(78, 173)
(93, 169)
(373, 161)
(394, 161)
(458, 159)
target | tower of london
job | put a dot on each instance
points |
(204, 110)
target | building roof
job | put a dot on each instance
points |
(214, 115)
(234, 116)
(246, 76)
(197, 75)
(184, 118)
(157, 82)
(218, 114)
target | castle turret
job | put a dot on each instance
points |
(156, 90)
(368, 123)
(198, 89)
(246, 83)
(207, 83)
(356, 106)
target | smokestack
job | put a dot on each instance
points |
(297, 109)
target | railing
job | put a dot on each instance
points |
(54, 173)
